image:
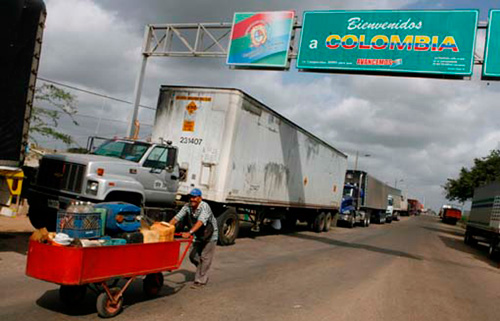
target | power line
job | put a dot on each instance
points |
(91, 92)
(94, 117)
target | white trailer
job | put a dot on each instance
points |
(483, 224)
(247, 159)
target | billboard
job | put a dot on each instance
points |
(261, 39)
(424, 42)
(491, 66)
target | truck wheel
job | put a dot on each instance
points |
(328, 222)
(493, 250)
(319, 223)
(72, 294)
(152, 284)
(368, 221)
(352, 221)
(229, 226)
(467, 238)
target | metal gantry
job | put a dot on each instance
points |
(204, 40)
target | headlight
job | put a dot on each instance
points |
(92, 187)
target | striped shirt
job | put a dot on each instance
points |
(203, 213)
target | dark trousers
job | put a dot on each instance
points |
(201, 256)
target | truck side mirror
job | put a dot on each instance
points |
(171, 159)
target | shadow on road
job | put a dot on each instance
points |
(479, 251)
(134, 295)
(14, 242)
(445, 229)
(355, 246)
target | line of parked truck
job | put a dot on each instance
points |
(251, 163)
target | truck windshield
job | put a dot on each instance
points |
(348, 191)
(132, 151)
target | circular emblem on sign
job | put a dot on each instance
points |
(258, 34)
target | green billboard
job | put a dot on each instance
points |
(491, 65)
(424, 42)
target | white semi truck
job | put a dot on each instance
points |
(249, 161)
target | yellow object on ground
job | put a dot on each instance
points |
(11, 183)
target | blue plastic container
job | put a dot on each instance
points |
(129, 213)
(79, 225)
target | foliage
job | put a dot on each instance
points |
(44, 121)
(484, 170)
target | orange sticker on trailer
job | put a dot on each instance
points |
(188, 126)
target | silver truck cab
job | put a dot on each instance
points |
(136, 172)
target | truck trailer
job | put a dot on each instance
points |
(250, 162)
(365, 199)
(483, 224)
(450, 214)
(20, 44)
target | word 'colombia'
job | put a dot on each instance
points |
(389, 42)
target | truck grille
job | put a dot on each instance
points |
(61, 175)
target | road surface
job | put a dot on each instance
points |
(416, 269)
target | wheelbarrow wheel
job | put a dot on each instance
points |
(105, 306)
(72, 294)
(152, 284)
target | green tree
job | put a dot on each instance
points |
(45, 120)
(484, 170)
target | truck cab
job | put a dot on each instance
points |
(350, 213)
(137, 172)
(390, 209)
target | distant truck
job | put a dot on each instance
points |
(394, 205)
(365, 200)
(250, 162)
(414, 207)
(20, 45)
(483, 224)
(450, 214)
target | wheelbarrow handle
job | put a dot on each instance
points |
(189, 241)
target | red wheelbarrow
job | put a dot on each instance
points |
(76, 268)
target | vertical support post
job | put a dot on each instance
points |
(356, 161)
(139, 83)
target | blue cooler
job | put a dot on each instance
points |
(129, 213)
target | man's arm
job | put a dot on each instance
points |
(179, 216)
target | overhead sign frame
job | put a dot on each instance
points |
(331, 36)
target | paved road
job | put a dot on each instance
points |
(417, 269)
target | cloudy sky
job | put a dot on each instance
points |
(418, 131)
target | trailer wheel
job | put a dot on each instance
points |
(229, 226)
(319, 223)
(152, 284)
(493, 250)
(72, 294)
(328, 222)
(105, 306)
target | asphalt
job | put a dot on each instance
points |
(415, 269)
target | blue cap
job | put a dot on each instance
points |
(195, 192)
